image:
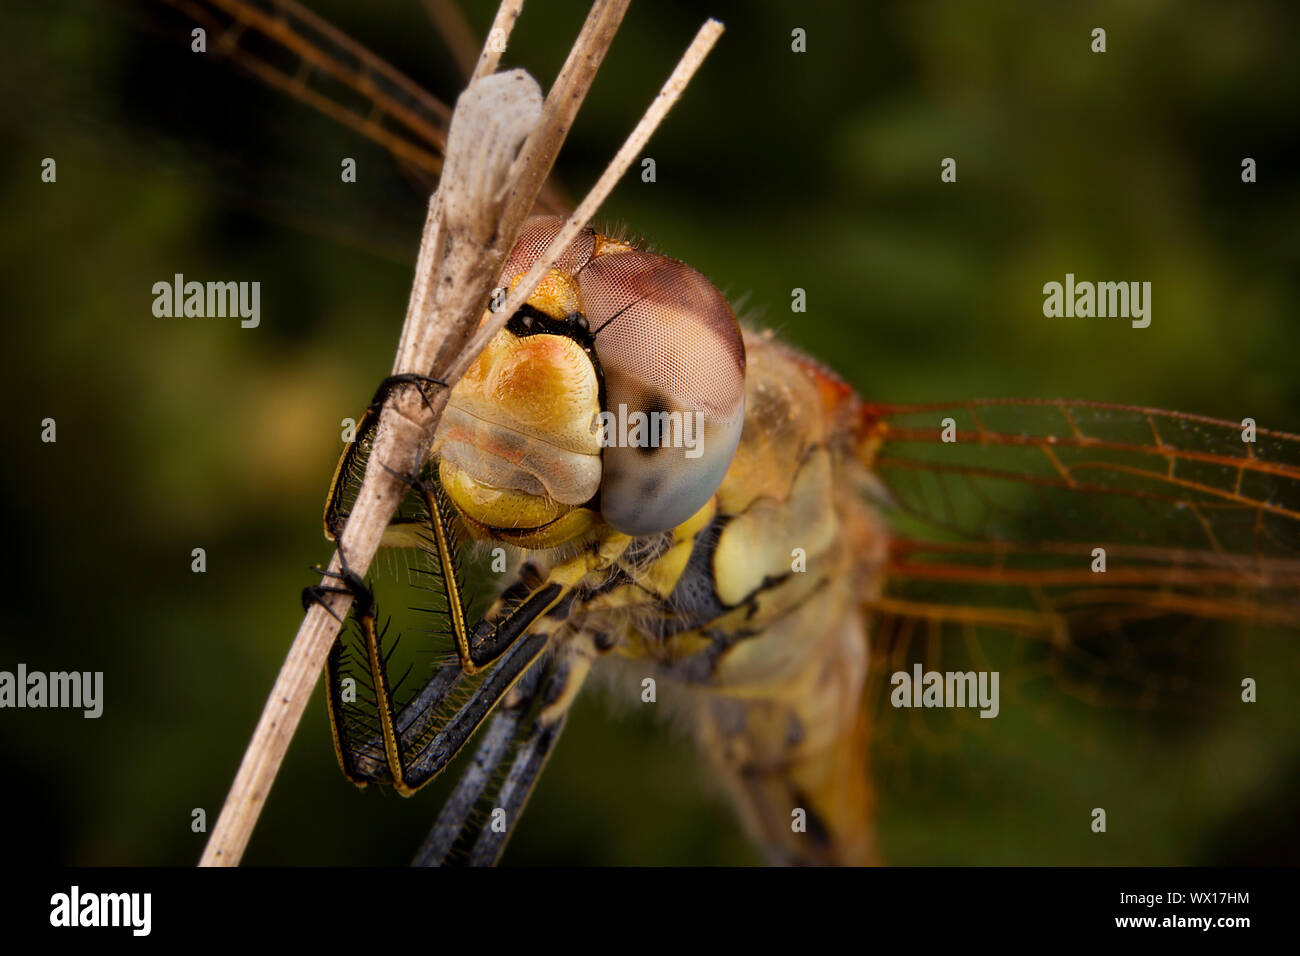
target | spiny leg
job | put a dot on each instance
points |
(480, 645)
(423, 748)
(408, 748)
(422, 766)
(346, 749)
(352, 585)
(453, 819)
(363, 612)
(413, 747)
(316, 594)
(334, 518)
(535, 741)
(528, 765)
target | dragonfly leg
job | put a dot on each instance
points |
(335, 518)
(479, 645)
(419, 767)
(409, 747)
(526, 745)
(363, 612)
(453, 819)
(352, 584)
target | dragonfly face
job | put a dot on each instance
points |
(618, 391)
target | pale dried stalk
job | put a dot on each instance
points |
(497, 38)
(474, 220)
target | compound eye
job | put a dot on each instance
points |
(533, 240)
(674, 366)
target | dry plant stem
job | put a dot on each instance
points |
(430, 344)
(566, 96)
(497, 38)
(492, 120)
(474, 220)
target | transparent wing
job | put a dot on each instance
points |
(1101, 513)
(1096, 556)
(287, 47)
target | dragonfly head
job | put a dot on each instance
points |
(616, 393)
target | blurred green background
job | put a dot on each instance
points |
(778, 170)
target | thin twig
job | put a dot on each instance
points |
(498, 37)
(474, 220)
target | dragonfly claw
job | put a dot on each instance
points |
(352, 584)
(406, 378)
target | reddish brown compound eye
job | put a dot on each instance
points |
(533, 240)
(674, 366)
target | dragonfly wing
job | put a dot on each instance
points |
(1086, 513)
(289, 48)
(1093, 554)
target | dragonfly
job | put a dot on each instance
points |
(780, 586)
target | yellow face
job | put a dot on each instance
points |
(524, 447)
(516, 450)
